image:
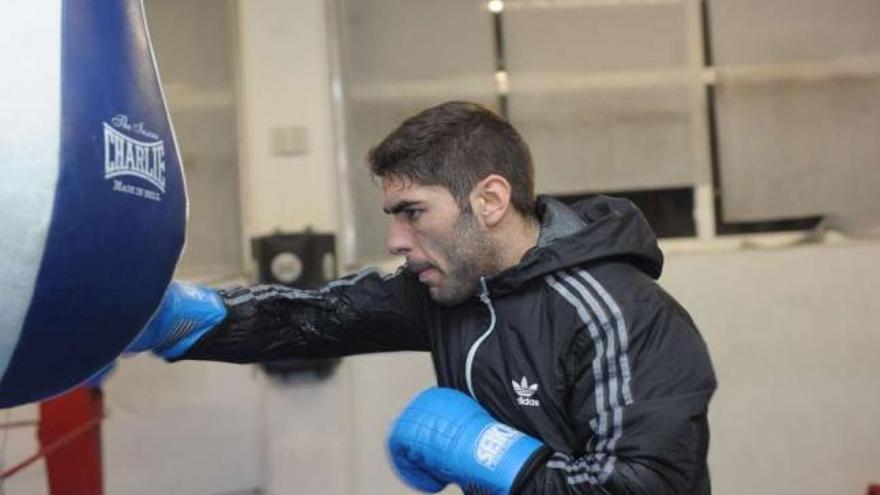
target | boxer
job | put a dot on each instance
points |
(563, 366)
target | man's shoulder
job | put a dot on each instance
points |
(612, 289)
(613, 278)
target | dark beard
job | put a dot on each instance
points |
(470, 254)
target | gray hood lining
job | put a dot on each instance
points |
(557, 221)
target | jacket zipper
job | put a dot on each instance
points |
(469, 364)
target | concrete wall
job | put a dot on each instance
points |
(200, 88)
(795, 342)
(285, 84)
(192, 428)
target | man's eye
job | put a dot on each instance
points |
(412, 213)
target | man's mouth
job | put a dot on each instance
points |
(422, 269)
(426, 275)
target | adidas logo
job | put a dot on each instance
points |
(524, 391)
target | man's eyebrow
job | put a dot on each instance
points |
(398, 207)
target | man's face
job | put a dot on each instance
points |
(448, 249)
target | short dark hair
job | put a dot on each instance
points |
(457, 144)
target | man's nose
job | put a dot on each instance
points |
(399, 239)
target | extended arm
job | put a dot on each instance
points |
(359, 314)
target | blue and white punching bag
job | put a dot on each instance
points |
(92, 199)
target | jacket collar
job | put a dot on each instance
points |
(592, 230)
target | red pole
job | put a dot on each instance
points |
(70, 438)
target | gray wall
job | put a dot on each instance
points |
(195, 45)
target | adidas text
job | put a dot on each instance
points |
(524, 392)
(528, 402)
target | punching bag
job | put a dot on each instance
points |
(92, 198)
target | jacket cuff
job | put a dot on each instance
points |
(535, 462)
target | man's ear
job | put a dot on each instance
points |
(490, 199)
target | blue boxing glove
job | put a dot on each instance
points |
(443, 436)
(187, 312)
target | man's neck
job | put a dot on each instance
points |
(519, 235)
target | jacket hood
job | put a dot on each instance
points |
(599, 228)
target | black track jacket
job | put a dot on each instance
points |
(577, 346)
